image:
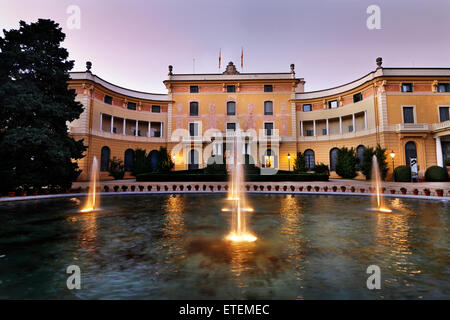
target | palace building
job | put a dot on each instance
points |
(405, 110)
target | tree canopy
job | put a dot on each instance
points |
(35, 105)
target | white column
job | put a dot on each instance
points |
(161, 131)
(314, 128)
(301, 128)
(136, 131)
(112, 123)
(353, 122)
(340, 125)
(124, 126)
(328, 128)
(101, 121)
(439, 161)
(365, 119)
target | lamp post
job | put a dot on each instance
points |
(289, 161)
(392, 154)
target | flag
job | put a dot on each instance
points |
(242, 58)
(220, 56)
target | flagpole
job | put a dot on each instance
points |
(242, 58)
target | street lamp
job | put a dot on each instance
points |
(392, 154)
(289, 161)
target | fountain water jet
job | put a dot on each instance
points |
(377, 184)
(92, 202)
(239, 230)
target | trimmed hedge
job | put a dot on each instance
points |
(163, 177)
(402, 174)
(436, 174)
(194, 177)
(288, 177)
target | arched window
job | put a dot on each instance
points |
(104, 161)
(333, 158)
(269, 159)
(310, 159)
(129, 159)
(193, 159)
(268, 108)
(231, 108)
(193, 108)
(153, 156)
(360, 154)
(410, 152)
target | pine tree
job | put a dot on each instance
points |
(381, 155)
(35, 105)
(347, 162)
(300, 163)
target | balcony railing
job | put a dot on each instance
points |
(412, 127)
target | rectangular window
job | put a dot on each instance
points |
(309, 133)
(231, 126)
(350, 128)
(332, 104)
(268, 108)
(324, 132)
(408, 114)
(407, 87)
(131, 105)
(444, 114)
(193, 129)
(268, 88)
(444, 87)
(231, 88)
(156, 109)
(107, 99)
(357, 97)
(307, 107)
(231, 108)
(193, 89)
(268, 128)
(193, 108)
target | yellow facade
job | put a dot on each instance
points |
(316, 121)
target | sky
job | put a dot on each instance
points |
(131, 42)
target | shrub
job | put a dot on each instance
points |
(124, 188)
(165, 163)
(216, 164)
(140, 163)
(436, 174)
(447, 161)
(366, 167)
(402, 174)
(322, 168)
(116, 169)
(346, 163)
(300, 163)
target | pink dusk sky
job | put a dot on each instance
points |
(131, 43)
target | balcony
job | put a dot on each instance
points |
(440, 126)
(412, 127)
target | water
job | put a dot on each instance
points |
(93, 200)
(173, 247)
(376, 182)
(238, 204)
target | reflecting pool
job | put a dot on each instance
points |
(174, 247)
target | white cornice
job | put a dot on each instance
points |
(127, 92)
(380, 72)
